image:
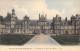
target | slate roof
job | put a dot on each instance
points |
(8, 17)
(26, 17)
(1, 18)
(68, 22)
(49, 22)
(18, 21)
(73, 16)
(36, 21)
(33, 22)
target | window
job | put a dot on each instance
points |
(33, 27)
(70, 32)
(62, 27)
(45, 23)
(61, 32)
(59, 27)
(41, 27)
(17, 30)
(66, 32)
(69, 27)
(79, 23)
(66, 27)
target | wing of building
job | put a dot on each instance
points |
(70, 27)
(12, 25)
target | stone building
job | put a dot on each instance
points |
(12, 25)
(57, 24)
(69, 27)
(2, 26)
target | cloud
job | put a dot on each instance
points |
(33, 7)
(68, 3)
(75, 11)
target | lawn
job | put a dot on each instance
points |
(14, 39)
(67, 40)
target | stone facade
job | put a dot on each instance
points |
(66, 26)
(11, 24)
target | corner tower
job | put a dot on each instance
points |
(13, 16)
(13, 11)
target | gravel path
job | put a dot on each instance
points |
(42, 40)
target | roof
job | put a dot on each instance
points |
(49, 22)
(36, 21)
(8, 17)
(18, 21)
(73, 16)
(26, 17)
(33, 21)
(68, 22)
(1, 18)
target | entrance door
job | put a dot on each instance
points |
(66, 32)
(42, 31)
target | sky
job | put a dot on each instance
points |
(32, 8)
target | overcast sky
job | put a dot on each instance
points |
(65, 8)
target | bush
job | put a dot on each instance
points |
(14, 39)
(71, 39)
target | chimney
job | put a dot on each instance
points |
(13, 11)
(66, 19)
(39, 16)
(57, 15)
(46, 16)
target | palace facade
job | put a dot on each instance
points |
(12, 25)
(66, 26)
